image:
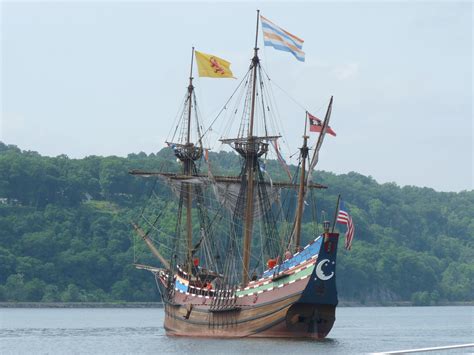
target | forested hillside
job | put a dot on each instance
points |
(65, 233)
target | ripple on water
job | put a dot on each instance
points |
(140, 331)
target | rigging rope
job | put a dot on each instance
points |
(224, 107)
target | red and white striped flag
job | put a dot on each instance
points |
(343, 217)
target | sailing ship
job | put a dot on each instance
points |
(235, 265)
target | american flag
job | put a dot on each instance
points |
(343, 217)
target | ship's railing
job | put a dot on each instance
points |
(201, 291)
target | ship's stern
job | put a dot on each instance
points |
(314, 313)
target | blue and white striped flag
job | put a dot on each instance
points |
(276, 37)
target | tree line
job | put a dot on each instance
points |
(65, 233)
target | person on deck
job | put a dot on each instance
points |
(195, 265)
(271, 263)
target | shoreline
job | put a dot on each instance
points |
(160, 304)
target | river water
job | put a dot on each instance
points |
(140, 331)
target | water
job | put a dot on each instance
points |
(140, 331)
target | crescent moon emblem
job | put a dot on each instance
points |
(319, 272)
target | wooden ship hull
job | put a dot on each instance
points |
(297, 300)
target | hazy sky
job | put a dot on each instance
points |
(102, 78)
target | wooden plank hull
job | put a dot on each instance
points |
(301, 304)
(279, 323)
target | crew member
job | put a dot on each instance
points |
(271, 263)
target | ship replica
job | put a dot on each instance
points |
(234, 265)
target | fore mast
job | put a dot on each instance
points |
(188, 162)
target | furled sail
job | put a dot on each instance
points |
(225, 188)
(229, 196)
(222, 182)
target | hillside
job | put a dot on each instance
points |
(65, 232)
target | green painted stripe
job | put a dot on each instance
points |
(277, 283)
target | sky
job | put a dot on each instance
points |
(107, 78)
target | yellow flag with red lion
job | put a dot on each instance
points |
(211, 66)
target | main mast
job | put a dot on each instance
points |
(250, 161)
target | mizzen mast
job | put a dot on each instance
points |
(305, 180)
(301, 193)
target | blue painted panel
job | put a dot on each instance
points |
(181, 287)
(304, 255)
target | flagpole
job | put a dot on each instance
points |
(192, 62)
(255, 61)
(190, 91)
(256, 33)
(305, 122)
(336, 213)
